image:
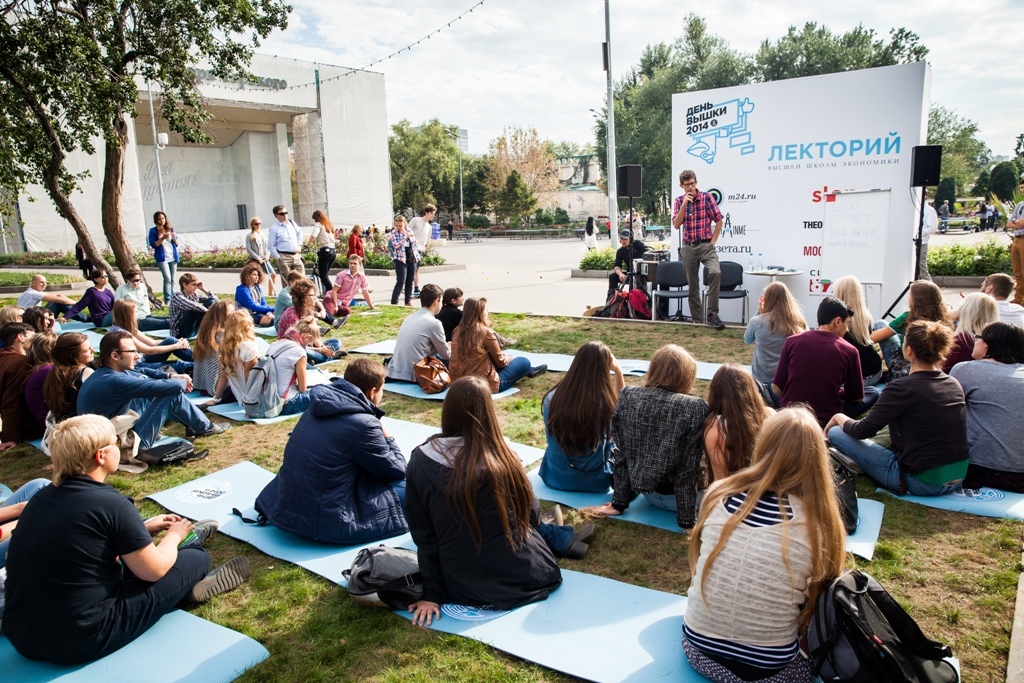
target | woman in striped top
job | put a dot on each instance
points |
(768, 540)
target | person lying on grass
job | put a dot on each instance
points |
(84, 577)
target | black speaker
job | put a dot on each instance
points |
(630, 180)
(926, 163)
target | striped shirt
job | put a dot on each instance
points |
(1017, 215)
(765, 513)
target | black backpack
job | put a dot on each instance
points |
(170, 453)
(859, 633)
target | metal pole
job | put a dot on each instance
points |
(462, 211)
(613, 204)
(156, 146)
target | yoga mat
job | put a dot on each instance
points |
(75, 326)
(414, 391)
(409, 435)
(560, 362)
(984, 502)
(590, 627)
(382, 348)
(213, 497)
(94, 339)
(234, 411)
(269, 331)
(861, 543)
(5, 493)
(208, 653)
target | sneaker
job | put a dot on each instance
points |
(215, 428)
(553, 516)
(224, 578)
(538, 370)
(580, 544)
(200, 533)
(340, 322)
(416, 292)
(715, 322)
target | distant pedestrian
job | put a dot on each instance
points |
(590, 235)
(451, 230)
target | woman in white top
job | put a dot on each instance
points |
(325, 241)
(769, 539)
(155, 354)
(259, 250)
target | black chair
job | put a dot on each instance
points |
(670, 275)
(732, 277)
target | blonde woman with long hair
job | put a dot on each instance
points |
(237, 353)
(850, 291)
(977, 312)
(778, 318)
(206, 372)
(769, 539)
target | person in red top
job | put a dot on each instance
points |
(355, 242)
(693, 213)
(820, 369)
(18, 424)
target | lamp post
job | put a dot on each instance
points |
(458, 143)
(159, 142)
(613, 203)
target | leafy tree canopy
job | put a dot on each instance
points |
(424, 165)
(964, 154)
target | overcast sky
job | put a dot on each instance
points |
(537, 63)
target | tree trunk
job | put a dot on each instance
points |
(67, 210)
(113, 190)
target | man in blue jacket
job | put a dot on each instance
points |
(155, 395)
(343, 477)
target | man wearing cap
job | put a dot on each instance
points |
(1015, 224)
(692, 215)
(622, 257)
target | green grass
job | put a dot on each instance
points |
(955, 573)
(23, 279)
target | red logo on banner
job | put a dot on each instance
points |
(830, 198)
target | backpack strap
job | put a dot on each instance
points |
(407, 581)
(261, 519)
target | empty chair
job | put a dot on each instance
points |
(732, 277)
(671, 284)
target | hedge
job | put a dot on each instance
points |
(24, 279)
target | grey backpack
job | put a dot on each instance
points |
(261, 398)
(385, 576)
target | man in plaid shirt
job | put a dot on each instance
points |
(188, 306)
(693, 214)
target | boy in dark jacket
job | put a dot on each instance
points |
(343, 477)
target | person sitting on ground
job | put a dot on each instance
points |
(993, 387)
(188, 306)
(1000, 286)
(624, 257)
(850, 291)
(473, 515)
(249, 295)
(84, 577)
(36, 295)
(819, 368)
(778, 318)
(156, 396)
(10, 511)
(156, 353)
(927, 420)
(658, 429)
(237, 353)
(206, 372)
(304, 306)
(977, 312)
(40, 359)
(343, 476)
(450, 314)
(769, 540)
(347, 283)
(475, 351)
(577, 415)
(291, 367)
(134, 289)
(72, 356)
(11, 314)
(923, 303)
(16, 423)
(41, 319)
(99, 299)
(284, 297)
(420, 335)
(736, 412)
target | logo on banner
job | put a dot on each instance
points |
(814, 225)
(730, 230)
(706, 123)
(716, 194)
(819, 285)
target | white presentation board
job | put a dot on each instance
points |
(855, 229)
(772, 153)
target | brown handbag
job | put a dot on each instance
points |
(431, 375)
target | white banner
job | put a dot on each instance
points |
(772, 153)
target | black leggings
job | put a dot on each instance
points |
(404, 274)
(324, 261)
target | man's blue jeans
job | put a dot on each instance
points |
(296, 404)
(154, 412)
(183, 354)
(888, 346)
(19, 496)
(512, 373)
(558, 538)
(880, 464)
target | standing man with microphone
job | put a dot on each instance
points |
(693, 213)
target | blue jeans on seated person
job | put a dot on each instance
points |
(888, 346)
(182, 354)
(858, 408)
(558, 538)
(154, 412)
(19, 496)
(296, 404)
(881, 464)
(513, 372)
(61, 309)
(664, 501)
(315, 357)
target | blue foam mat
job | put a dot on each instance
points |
(75, 326)
(861, 543)
(593, 628)
(269, 331)
(984, 502)
(212, 654)
(409, 435)
(234, 411)
(381, 348)
(94, 339)
(414, 391)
